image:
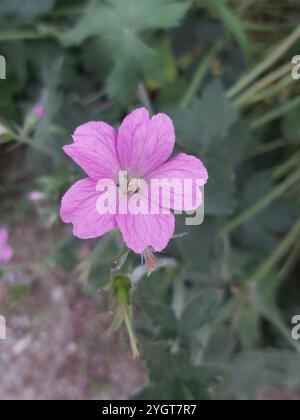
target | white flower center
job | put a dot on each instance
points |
(133, 185)
(128, 186)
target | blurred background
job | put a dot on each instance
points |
(216, 323)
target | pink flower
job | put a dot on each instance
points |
(35, 196)
(142, 147)
(6, 252)
(38, 111)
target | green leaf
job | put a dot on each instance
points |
(221, 344)
(234, 24)
(207, 119)
(267, 292)
(172, 376)
(118, 20)
(155, 303)
(254, 373)
(123, 78)
(160, 313)
(290, 125)
(220, 190)
(200, 246)
(27, 9)
(121, 26)
(283, 213)
(200, 310)
(165, 72)
(248, 327)
(175, 390)
(260, 235)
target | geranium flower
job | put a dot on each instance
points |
(6, 252)
(141, 147)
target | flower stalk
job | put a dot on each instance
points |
(120, 287)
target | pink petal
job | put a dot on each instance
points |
(79, 207)
(189, 174)
(140, 231)
(94, 150)
(6, 254)
(144, 144)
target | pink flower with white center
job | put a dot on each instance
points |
(142, 147)
(38, 111)
(6, 252)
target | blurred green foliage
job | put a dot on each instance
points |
(216, 324)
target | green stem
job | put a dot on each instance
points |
(272, 58)
(24, 35)
(261, 205)
(124, 304)
(269, 147)
(272, 316)
(94, 97)
(40, 147)
(270, 91)
(290, 262)
(286, 166)
(275, 113)
(261, 27)
(279, 253)
(120, 260)
(234, 25)
(200, 74)
(281, 327)
(261, 84)
(277, 322)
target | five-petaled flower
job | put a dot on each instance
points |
(142, 147)
(6, 252)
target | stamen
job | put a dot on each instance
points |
(133, 186)
(127, 185)
(151, 261)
